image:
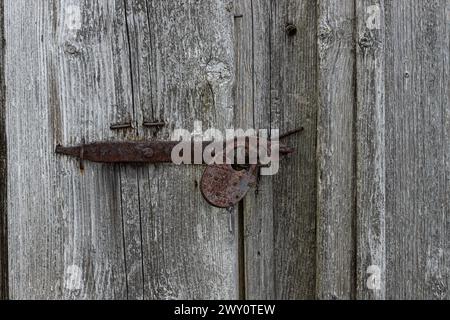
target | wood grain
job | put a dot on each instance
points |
(276, 89)
(71, 81)
(336, 151)
(252, 91)
(417, 149)
(294, 105)
(370, 146)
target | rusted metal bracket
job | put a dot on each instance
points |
(222, 186)
(122, 152)
(132, 152)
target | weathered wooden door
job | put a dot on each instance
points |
(364, 197)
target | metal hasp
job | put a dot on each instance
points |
(222, 185)
(122, 152)
(131, 151)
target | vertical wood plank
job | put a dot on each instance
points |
(183, 70)
(336, 152)
(370, 146)
(276, 90)
(3, 170)
(28, 218)
(68, 73)
(294, 105)
(252, 111)
(417, 149)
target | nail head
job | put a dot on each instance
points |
(291, 29)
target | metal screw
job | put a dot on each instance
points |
(291, 29)
(148, 152)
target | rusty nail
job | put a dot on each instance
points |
(120, 126)
(154, 124)
(291, 29)
(291, 133)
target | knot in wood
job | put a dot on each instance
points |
(366, 41)
(70, 48)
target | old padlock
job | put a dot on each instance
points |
(223, 186)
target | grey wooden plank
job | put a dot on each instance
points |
(68, 75)
(183, 70)
(244, 119)
(265, 101)
(370, 146)
(276, 78)
(252, 111)
(3, 171)
(336, 152)
(417, 149)
(294, 104)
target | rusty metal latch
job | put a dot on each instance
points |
(222, 186)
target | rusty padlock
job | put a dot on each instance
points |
(223, 186)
